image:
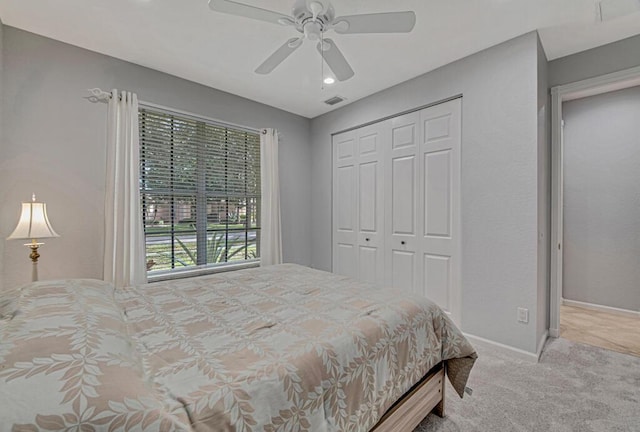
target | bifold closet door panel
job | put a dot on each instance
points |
(358, 204)
(345, 208)
(370, 197)
(440, 201)
(401, 203)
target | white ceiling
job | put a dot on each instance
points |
(186, 39)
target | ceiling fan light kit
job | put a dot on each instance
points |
(312, 19)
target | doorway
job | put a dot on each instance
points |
(595, 281)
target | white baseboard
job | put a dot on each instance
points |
(554, 333)
(601, 308)
(519, 353)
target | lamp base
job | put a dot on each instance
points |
(34, 255)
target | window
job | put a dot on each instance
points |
(200, 192)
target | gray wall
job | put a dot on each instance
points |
(2, 202)
(55, 146)
(602, 60)
(499, 180)
(544, 194)
(602, 199)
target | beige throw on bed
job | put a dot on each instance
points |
(280, 348)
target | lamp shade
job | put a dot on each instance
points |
(33, 223)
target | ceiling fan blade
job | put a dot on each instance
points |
(279, 56)
(243, 10)
(335, 60)
(391, 22)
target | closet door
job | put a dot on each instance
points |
(358, 207)
(440, 205)
(401, 203)
(396, 204)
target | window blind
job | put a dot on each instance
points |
(200, 191)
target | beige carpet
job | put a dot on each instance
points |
(574, 388)
(612, 331)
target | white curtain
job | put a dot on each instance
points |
(270, 232)
(124, 249)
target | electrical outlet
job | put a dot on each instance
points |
(523, 315)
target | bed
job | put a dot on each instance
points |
(280, 348)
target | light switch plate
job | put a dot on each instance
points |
(523, 315)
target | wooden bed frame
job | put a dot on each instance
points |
(424, 397)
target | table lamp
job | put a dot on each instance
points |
(33, 224)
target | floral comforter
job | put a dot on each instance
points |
(281, 348)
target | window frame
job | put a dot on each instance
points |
(207, 268)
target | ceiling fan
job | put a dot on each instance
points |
(312, 18)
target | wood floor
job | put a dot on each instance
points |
(611, 331)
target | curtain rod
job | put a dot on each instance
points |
(100, 96)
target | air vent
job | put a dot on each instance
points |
(334, 100)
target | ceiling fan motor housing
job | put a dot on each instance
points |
(312, 30)
(303, 12)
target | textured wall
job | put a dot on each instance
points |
(499, 180)
(55, 146)
(544, 194)
(602, 199)
(3, 201)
